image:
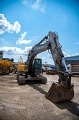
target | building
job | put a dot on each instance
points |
(72, 60)
(1, 54)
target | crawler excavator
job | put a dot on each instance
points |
(63, 89)
(22, 68)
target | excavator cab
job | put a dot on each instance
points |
(36, 67)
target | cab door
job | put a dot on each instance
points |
(37, 66)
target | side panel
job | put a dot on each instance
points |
(75, 69)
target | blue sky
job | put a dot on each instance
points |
(23, 23)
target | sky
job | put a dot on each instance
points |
(23, 23)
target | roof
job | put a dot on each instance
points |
(72, 57)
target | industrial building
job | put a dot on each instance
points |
(1, 54)
(72, 60)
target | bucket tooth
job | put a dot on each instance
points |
(58, 93)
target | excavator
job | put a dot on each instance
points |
(21, 68)
(63, 89)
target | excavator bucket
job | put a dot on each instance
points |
(58, 93)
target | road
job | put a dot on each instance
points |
(28, 102)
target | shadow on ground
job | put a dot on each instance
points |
(71, 106)
(36, 85)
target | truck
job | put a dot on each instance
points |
(63, 89)
(51, 70)
(73, 68)
(5, 66)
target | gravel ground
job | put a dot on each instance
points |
(28, 102)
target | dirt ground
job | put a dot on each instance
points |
(28, 102)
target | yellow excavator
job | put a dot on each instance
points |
(22, 67)
(63, 89)
(5, 66)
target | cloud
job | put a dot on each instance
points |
(49, 60)
(43, 57)
(35, 4)
(6, 26)
(49, 56)
(22, 39)
(76, 54)
(15, 50)
(65, 54)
